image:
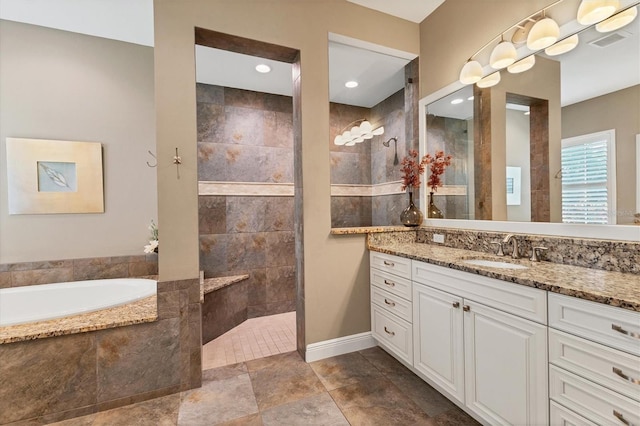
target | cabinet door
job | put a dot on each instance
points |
(438, 343)
(506, 378)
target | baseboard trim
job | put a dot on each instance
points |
(339, 346)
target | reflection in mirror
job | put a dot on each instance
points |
(600, 91)
(365, 170)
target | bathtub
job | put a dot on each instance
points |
(21, 305)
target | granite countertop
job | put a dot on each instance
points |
(611, 288)
(212, 284)
(140, 311)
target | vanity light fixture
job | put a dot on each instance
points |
(543, 34)
(263, 68)
(471, 72)
(503, 55)
(618, 20)
(592, 11)
(563, 46)
(357, 134)
(351, 84)
(522, 65)
(489, 81)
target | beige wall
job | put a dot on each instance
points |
(336, 267)
(620, 111)
(61, 85)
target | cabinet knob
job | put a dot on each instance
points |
(466, 308)
(391, 333)
(456, 304)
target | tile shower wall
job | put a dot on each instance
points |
(246, 136)
(451, 135)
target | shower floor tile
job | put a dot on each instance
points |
(255, 338)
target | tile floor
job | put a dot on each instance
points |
(361, 388)
(254, 338)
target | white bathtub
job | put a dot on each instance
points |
(21, 305)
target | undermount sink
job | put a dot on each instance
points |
(494, 264)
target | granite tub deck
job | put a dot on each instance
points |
(209, 285)
(137, 312)
(611, 288)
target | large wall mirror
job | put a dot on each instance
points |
(555, 144)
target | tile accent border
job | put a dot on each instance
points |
(245, 189)
(339, 346)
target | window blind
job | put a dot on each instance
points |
(585, 197)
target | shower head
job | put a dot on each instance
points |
(387, 143)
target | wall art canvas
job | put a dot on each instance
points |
(51, 176)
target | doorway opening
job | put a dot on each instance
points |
(250, 216)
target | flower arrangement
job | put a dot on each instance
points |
(152, 247)
(438, 164)
(412, 168)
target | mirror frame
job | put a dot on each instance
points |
(605, 232)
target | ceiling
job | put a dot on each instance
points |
(379, 74)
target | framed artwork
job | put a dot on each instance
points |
(49, 176)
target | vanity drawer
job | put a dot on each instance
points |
(392, 303)
(391, 283)
(392, 333)
(526, 302)
(396, 265)
(561, 416)
(611, 326)
(608, 367)
(595, 402)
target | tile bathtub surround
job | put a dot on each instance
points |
(53, 379)
(608, 255)
(55, 271)
(361, 388)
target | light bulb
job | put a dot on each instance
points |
(618, 20)
(563, 46)
(365, 126)
(592, 11)
(522, 65)
(471, 72)
(503, 55)
(338, 140)
(489, 81)
(379, 131)
(543, 34)
(355, 131)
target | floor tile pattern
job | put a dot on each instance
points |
(361, 388)
(255, 338)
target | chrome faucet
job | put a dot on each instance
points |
(510, 238)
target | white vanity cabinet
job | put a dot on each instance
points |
(594, 356)
(391, 305)
(483, 342)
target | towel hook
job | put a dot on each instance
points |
(154, 157)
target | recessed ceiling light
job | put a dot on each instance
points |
(457, 101)
(470, 98)
(263, 68)
(351, 84)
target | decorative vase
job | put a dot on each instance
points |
(433, 211)
(411, 216)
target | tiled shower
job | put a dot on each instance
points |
(245, 145)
